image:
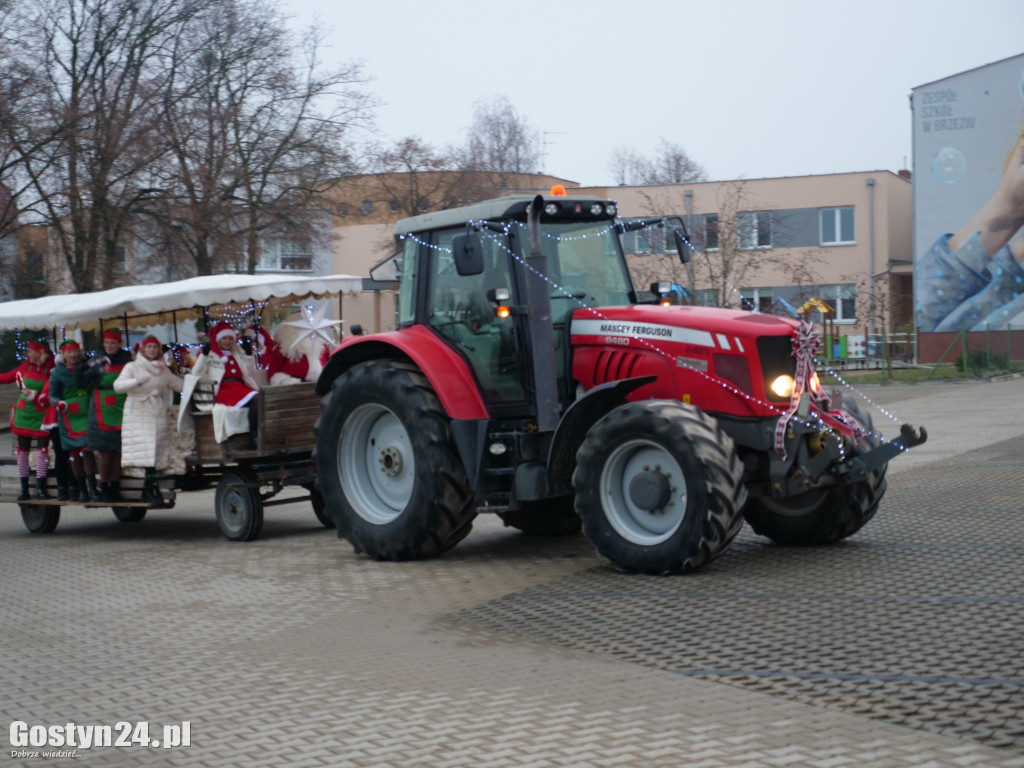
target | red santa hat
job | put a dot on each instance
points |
(150, 340)
(114, 334)
(221, 329)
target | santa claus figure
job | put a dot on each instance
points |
(296, 354)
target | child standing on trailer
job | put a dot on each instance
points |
(145, 435)
(72, 403)
(29, 413)
(106, 409)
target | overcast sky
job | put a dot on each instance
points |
(750, 88)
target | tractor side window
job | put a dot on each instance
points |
(407, 286)
(457, 308)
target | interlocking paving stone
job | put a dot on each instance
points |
(514, 651)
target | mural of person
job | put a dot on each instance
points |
(973, 279)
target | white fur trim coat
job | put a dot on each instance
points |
(146, 429)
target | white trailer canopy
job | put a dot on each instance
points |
(148, 305)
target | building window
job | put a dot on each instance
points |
(423, 204)
(393, 206)
(837, 226)
(367, 206)
(120, 258)
(643, 241)
(342, 210)
(711, 232)
(286, 254)
(755, 229)
(757, 299)
(843, 299)
(708, 298)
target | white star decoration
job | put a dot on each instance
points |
(313, 323)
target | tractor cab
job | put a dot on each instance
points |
(467, 275)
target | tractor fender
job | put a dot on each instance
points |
(577, 421)
(448, 373)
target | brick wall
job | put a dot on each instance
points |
(932, 346)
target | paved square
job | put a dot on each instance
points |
(900, 647)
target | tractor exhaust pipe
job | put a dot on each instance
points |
(541, 330)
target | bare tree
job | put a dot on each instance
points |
(256, 130)
(416, 176)
(669, 164)
(82, 86)
(501, 142)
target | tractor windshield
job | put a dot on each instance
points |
(585, 264)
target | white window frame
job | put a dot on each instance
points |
(837, 222)
(754, 299)
(749, 230)
(830, 294)
(276, 249)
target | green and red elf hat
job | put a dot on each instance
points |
(39, 346)
(114, 334)
(69, 344)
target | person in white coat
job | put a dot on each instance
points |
(145, 430)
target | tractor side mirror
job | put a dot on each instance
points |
(682, 246)
(469, 258)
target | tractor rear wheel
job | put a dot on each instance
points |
(824, 515)
(658, 487)
(387, 465)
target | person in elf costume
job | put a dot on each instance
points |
(72, 402)
(29, 413)
(106, 411)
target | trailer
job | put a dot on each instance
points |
(248, 479)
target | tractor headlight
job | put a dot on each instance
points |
(783, 386)
(552, 209)
(611, 209)
(596, 209)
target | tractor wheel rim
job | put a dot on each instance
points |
(638, 464)
(377, 463)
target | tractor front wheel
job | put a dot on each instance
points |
(387, 465)
(658, 487)
(824, 515)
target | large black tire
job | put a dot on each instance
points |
(387, 465)
(659, 487)
(129, 514)
(319, 508)
(39, 518)
(552, 517)
(823, 516)
(239, 506)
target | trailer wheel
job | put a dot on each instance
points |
(319, 508)
(40, 519)
(387, 465)
(129, 514)
(553, 517)
(658, 487)
(239, 506)
(822, 516)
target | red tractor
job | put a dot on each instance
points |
(529, 378)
